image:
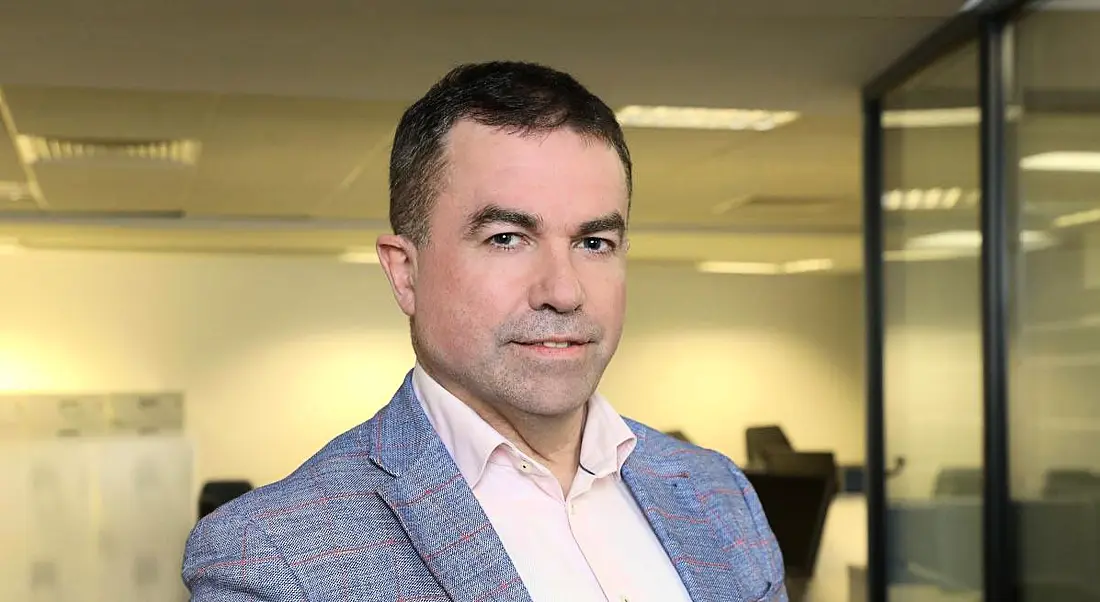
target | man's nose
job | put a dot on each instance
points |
(558, 285)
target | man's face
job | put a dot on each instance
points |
(518, 298)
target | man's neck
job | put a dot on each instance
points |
(553, 441)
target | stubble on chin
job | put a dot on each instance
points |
(509, 383)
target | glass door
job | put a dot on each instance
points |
(1055, 406)
(932, 377)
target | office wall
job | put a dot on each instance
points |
(278, 355)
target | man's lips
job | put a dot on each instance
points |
(554, 342)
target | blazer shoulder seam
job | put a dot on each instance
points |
(252, 524)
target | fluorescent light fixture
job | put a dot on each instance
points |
(738, 267)
(940, 118)
(360, 255)
(807, 265)
(700, 118)
(927, 200)
(932, 118)
(40, 149)
(1077, 219)
(766, 269)
(960, 239)
(1062, 161)
(970, 240)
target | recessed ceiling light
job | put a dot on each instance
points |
(360, 255)
(1077, 219)
(1062, 161)
(807, 265)
(940, 118)
(761, 268)
(738, 267)
(40, 149)
(930, 118)
(700, 118)
(931, 199)
(968, 240)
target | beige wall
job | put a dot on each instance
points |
(277, 356)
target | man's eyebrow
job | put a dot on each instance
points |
(612, 222)
(495, 214)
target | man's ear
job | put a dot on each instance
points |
(397, 255)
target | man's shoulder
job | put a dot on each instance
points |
(279, 527)
(324, 474)
(663, 449)
(290, 510)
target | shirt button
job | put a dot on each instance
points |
(525, 466)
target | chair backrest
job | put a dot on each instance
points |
(762, 441)
(216, 493)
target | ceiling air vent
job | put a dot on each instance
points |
(48, 150)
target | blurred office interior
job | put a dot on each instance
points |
(190, 305)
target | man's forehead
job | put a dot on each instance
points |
(469, 133)
(489, 166)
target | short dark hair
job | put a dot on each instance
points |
(518, 96)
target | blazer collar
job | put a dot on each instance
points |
(437, 508)
(449, 529)
(683, 511)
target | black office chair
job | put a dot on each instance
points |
(216, 493)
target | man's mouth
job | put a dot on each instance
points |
(554, 343)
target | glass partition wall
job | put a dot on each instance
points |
(982, 218)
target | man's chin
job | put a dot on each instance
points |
(554, 394)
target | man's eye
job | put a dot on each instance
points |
(598, 245)
(506, 239)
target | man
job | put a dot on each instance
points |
(497, 473)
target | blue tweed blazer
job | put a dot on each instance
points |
(381, 514)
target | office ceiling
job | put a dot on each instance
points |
(293, 104)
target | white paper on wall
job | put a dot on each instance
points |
(99, 508)
(13, 522)
(146, 516)
(60, 518)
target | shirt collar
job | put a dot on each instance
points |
(607, 442)
(466, 435)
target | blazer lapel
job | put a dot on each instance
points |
(438, 510)
(679, 513)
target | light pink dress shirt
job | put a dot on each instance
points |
(592, 545)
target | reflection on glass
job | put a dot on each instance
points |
(1055, 408)
(933, 354)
